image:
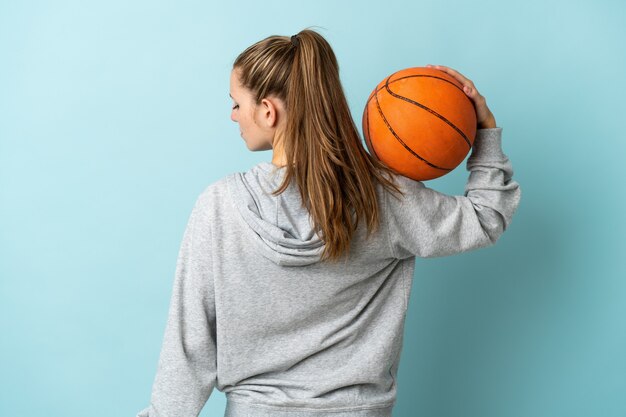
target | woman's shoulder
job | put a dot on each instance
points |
(215, 191)
(404, 183)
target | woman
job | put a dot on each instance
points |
(293, 278)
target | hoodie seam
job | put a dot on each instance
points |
(388, 225)
(386, 404)
(280, 257)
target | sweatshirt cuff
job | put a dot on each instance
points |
(488, 144)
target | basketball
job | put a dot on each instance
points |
(419, 122)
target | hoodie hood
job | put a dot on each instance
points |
(279, 226)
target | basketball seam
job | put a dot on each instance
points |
(400, 140)
(411, 76)
(367, 120)
(428, 109)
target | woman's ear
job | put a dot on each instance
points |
(268, 113)
(272, 111)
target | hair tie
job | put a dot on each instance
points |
(294, 40)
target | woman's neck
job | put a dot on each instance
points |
(278, 157)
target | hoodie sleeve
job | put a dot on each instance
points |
(427, 223)
(187, 367)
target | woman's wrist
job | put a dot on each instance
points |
(488, 123)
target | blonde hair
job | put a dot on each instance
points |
(336, 176)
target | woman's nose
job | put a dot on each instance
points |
(232, 116)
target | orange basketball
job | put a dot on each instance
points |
(419, 122)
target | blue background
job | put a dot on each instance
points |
(114, 116)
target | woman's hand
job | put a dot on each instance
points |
(484, 117)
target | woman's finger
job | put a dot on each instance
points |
(482, 111)
(462, 79)
(450, 71)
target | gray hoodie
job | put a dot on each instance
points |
(255, 313)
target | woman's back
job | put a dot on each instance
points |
(256, 314)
